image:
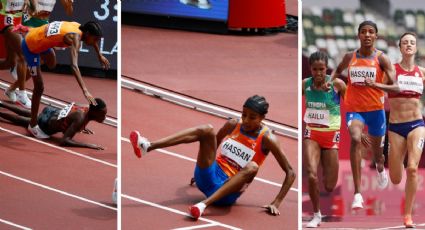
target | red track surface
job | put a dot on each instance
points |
(35, 207)
(223, 69)
(164, 179)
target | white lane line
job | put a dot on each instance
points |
(57, 147)
(155, 205)
(57, 190)
(15, 225)
(400, 226)
(196, 227)
(193, 160)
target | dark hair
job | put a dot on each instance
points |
(92, 28)
(367, 23)
(257, 104)
(100, 105)
(407, 33)
(318, 56)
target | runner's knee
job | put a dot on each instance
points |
(395, 177)
(251, 170)
(206, 131)
(411, 171)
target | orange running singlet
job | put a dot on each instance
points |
(50, 35)
(358, 97)
(238, 149)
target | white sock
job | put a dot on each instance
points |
(318, 214)
(201, 206)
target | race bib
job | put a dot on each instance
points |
(315, 117)
(410, 84)
(8, 20)
(65, 111)
(358, 74)
(14, 5)
(54, 28)
(237, 152)
(46, 5)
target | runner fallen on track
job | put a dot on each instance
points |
(58, 34)
(241, 146)
(69, 120)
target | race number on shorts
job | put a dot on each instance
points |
(8, 20)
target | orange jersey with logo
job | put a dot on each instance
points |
(358, 97)
(238, 149)
(51, 35)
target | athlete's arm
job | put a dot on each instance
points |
(341, 66)
(388, 68)
(73, 40)
(102, 59)
(340, 86)
(422, 69)
(77, 121)
(227, 128)
(271, 143)
(303, 85)
(67, 4)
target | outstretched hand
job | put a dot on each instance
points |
(104, 62)
(369, 82)
(97, 147)
(90, 98)
(272, 209)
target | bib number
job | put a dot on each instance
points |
(410, 84)
(358, 74)
(237, 152)
(336, 137)
(8, 20)
(54, 28)
(65, 111)
(14, 6)
(307, 133)
(318, 118)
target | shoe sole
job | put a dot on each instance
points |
(194, 212)
(134, 136)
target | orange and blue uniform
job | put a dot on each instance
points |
(233, 154)
(364, 103)
(10, 13)
(41, 39)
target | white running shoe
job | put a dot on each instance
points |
(382, 179)
(37, 132)
(357, 202)
(315, 222)
(197, 210)
(140, 144)
(22, 99)
(11, 94)
(13, 72)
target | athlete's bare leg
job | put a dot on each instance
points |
(16, 109)
(36, 96)
(330, 166)
(397, 153)
(312, 160)
(415, 144)
(355, 130)
(203, 134)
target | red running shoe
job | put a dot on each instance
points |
(139, 143)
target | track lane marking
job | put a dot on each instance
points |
(58, 147)
(196, 227)
(57, 190)
(400, 226)
(176, 211)
(14, 225)
(193, 160)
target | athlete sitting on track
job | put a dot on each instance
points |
(245, 143)
(69, 120)
(58, 34)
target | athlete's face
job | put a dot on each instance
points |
(408, 45)
(251, 120)
(100, 116)
(367, 35)
(318, 70)
(91, 40)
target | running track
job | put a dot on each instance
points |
(45, 186)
